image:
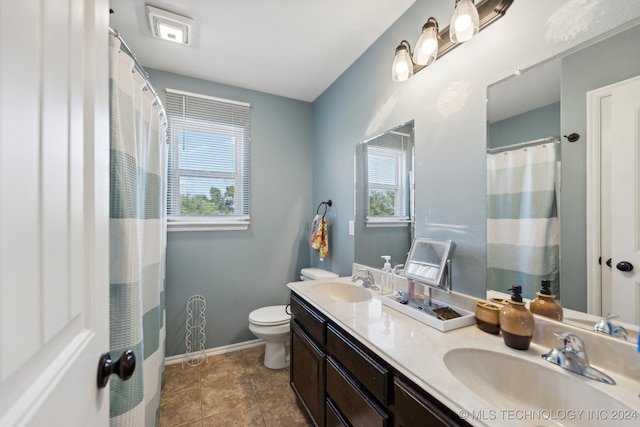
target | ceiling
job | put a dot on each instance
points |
(524, 91)
(290, 48)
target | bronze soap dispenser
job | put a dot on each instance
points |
(546, 304)
(516, 321)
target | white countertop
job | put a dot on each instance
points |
(417, 351)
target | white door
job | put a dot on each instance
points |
(54, 207)
(625, 200)
(613, 174)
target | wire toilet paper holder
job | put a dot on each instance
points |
(195, 337)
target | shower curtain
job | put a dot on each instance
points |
(523, 235)
(137, 239)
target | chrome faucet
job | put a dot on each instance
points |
(368, 281)
(607, 327)
(398, 269)
(573, 357)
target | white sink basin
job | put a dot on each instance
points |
(342, 291)
(510, 382)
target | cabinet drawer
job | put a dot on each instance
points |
(412, 408)
(372, 375)
(334, 418)
(312, 321)
(356, 407)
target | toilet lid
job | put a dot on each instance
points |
(316, 273)
(270, 316)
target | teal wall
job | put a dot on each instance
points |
(303, 153)
(447, 100)
(239, 271)
(535, 124)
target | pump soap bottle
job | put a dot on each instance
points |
(387, 276)
(545, 304)
(516, 322)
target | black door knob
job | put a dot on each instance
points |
(122, 367)
(608, 262)
(624, 266)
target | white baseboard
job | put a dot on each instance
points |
(172, 360)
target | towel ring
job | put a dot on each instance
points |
(327, 203)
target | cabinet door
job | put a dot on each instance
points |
(307, 373)
(411, 409)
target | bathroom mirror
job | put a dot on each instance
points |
(383, 199)
(549, 100)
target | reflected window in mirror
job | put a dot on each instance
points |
(384, 196)
(386, 178)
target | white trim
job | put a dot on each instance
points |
(173, 360)
(208, 226)
(374, 224)
(594, 285)
(210, 98)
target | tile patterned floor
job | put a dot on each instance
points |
(233, 389)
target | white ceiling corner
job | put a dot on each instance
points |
(291, 48)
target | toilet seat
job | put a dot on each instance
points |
(270, 316)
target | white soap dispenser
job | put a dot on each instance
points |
(387, 276)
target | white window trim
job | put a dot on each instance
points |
(395, 220)
(388, 221)
(222, 225)
(219, 223)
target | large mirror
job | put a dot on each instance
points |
(537, 175)
(384, 196)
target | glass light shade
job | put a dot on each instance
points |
(426, 50)
(402, 68)
(465, 22)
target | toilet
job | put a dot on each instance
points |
(271, 324)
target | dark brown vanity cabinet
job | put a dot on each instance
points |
(357, 383)
(350, 401)
(413, 408)
(341, 382)
(307, 368)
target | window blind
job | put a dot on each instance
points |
(386, 178)
(209, 159)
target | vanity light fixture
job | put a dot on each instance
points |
(402, 67)
(468, 19)
(465, 21)
(169, 26)
(427, 47)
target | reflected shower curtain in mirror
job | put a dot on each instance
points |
(523, 235)
(137, 240)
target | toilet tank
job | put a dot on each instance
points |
(316, 273)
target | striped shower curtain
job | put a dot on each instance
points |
(137, 240)
(523, 235)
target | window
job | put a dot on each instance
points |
(209, 162)
(387, 179)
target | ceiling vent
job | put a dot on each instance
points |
(170, 26)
